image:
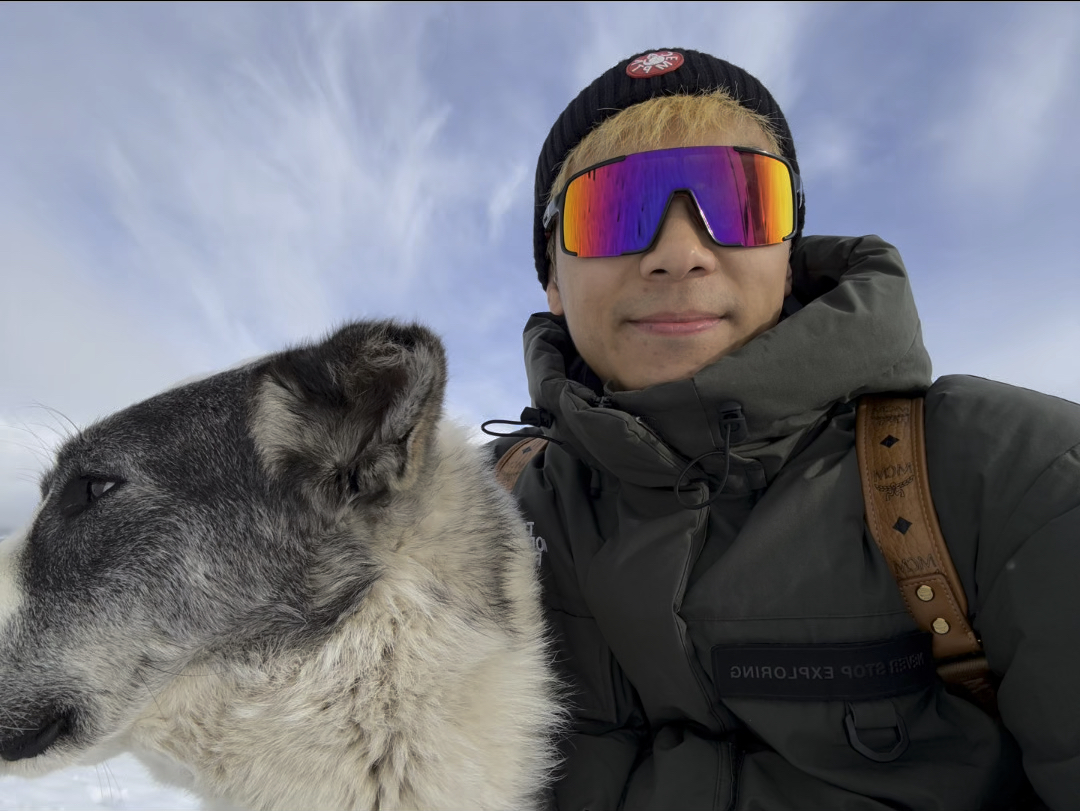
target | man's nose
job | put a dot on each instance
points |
(683, 245)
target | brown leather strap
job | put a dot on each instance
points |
(509, 467)
(891, 444)
(973, 676)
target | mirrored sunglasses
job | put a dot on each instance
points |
(746, 197)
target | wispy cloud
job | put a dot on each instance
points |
(284, 182)
(1014, 105)
(506, 193)
(763, 37)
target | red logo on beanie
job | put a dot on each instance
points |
(654, 64)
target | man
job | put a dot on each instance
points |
(700, 500)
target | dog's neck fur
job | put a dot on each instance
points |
(403, 706)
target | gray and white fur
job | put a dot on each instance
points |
(289, 585)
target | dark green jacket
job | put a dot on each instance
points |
(653, 602)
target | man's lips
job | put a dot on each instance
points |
(684, 323)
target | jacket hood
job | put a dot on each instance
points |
(855, 331)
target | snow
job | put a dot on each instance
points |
(120, 783)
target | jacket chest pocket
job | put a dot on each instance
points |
(863, 676)
(866, 719)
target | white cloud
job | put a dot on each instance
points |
(26, 449)
(264, 187)
(1042, 357)
(998, 308)
(762, 38)
(1014, 105)
(70, 334)
(259, 172)
(831, 150)
(507, 193)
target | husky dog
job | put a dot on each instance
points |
(290, 585)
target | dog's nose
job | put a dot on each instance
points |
(32, 742)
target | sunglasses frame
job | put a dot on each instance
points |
(554, 208)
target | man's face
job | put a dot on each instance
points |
(666, 314)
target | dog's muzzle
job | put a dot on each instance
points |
(32, 742)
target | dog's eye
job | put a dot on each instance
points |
(99, 487)
(82, 491)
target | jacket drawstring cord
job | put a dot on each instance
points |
(733, 424)
(726, 450)
(531, 418)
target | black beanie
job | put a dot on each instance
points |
(660, 72)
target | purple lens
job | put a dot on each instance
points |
(745, 197)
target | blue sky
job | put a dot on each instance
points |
(186, 186)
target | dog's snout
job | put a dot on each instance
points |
(35, 737)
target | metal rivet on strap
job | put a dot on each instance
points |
(940, 626)
(924, 593)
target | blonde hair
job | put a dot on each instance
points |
(654, 123)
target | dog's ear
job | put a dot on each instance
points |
(352, 417)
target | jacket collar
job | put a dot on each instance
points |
(857, 332)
